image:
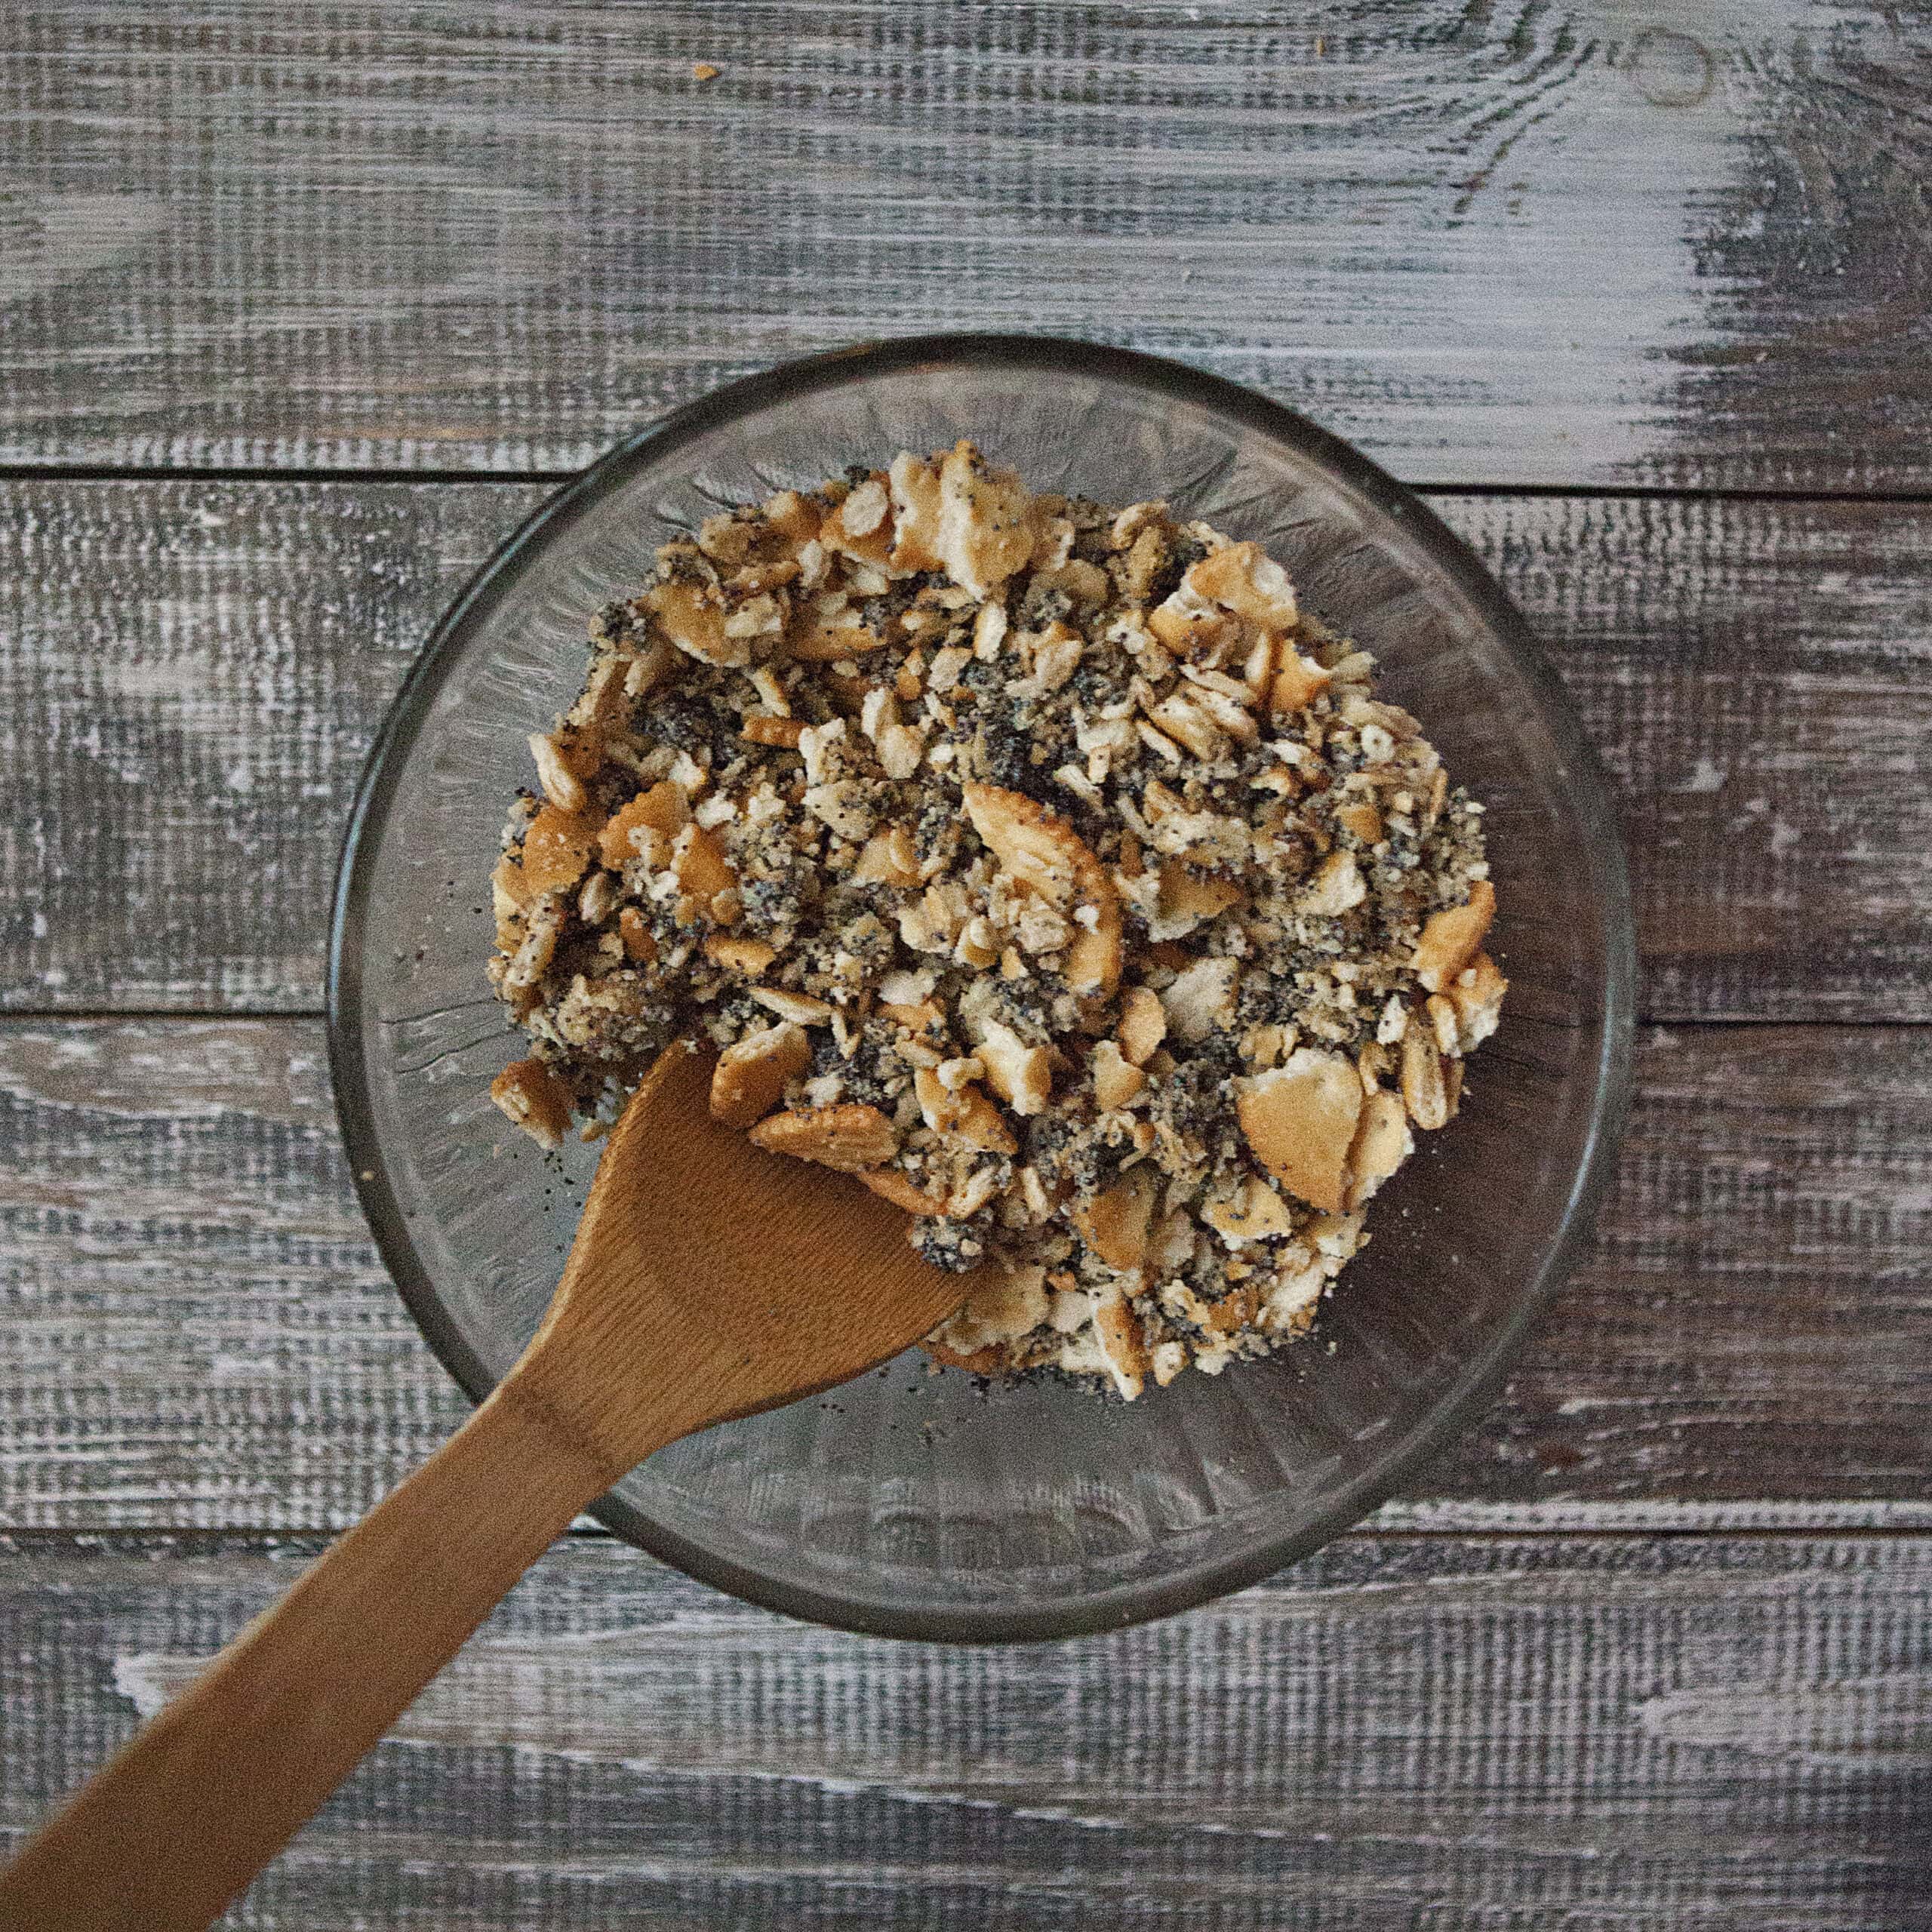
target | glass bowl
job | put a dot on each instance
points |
(917, 1504)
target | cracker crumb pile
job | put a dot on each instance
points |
(1040, 863)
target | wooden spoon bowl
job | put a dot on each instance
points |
(708, 1279)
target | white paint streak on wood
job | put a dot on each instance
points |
(640, 1698)
(1727, 1731)
(1656, 1515)
(1858, 1724)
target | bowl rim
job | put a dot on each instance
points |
(1117, 1605)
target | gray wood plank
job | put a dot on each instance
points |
(1523, 242)
(191, 673)
(198, 1335)
(1600, 1733)
(1754, 677)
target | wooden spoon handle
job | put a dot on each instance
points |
(174, 1827)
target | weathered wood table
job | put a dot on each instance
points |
(302, 309)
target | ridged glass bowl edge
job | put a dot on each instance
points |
(1127, 1603)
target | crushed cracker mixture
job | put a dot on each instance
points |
(1040, 863)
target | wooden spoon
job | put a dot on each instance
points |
(708, 1279)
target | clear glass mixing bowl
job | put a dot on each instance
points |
(907, 1503)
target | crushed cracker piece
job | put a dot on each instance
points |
(748, 956)
(801, 1009)
(532, 1096)
(1123, 1343)
(1044, 854)
(1425, 1084)
(962, 1113)
(891, 1184)
(1011, 1304)
(1451, 938)
(1115, 1224)
(759, 729)
(1299, 1118)
(752, 1074)
(1202, 1000)
(850, 1137)
(1021, 1075)
(1117, 1081)
(1143, 1024)
(1383, 1142)
(1476, 993)
(1252, 1212)
(663, 809)
(556, 848)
